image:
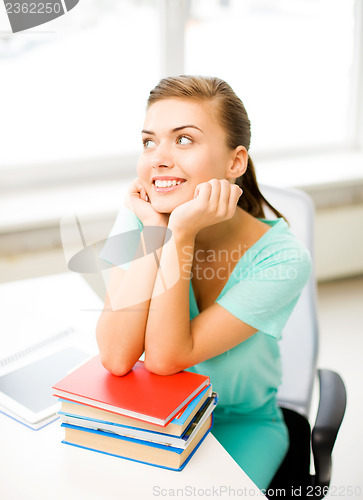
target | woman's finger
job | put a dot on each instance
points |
(215, 194)
(224, 197)
(234, 196)
(135, 186)
(137, 190)
(143, 194)
(203, 192)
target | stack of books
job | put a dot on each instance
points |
(141, 416)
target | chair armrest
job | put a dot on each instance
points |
(329, 417)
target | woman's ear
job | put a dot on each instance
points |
(238, 165)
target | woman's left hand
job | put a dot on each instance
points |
(214, 201)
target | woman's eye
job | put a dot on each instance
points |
(183, 140)
(148, 143)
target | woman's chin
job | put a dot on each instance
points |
(163, 206)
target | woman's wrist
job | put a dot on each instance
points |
(180, 233)
(155, 221)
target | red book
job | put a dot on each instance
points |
(139, 394)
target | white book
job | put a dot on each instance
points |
(145, 435)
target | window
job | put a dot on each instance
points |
(73, 92)
(68, 96)
(290, 61)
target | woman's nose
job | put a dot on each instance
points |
(163, 157)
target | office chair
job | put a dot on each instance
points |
(299, 350)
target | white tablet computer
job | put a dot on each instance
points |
(26, 392)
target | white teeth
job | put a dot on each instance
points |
(161, 184)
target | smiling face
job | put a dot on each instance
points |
(184, 145)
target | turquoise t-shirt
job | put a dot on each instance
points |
(261, 291)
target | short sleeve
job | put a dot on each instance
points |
(267, 288)
(123, 241)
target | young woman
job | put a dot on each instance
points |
(215, 297)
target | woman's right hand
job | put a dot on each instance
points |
(138, 201)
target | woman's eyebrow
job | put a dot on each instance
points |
(187, 126)
(176, 129)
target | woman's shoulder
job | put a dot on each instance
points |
(280, 236)
(277, 248)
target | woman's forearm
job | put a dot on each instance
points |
(168, 338)
(121, 327)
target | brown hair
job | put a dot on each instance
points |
(233, 118)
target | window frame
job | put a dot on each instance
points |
(173, 16)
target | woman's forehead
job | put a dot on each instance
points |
(176, 112)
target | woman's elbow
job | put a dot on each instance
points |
(161, 366)
(116, 366)
(118, 362)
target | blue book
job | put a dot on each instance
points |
(176, 427)
(137, 450)
(146, 435)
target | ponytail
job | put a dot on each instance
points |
(252, 200)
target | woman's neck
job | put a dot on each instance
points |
(242, 227)
(220, 234)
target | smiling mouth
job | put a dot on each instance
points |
(166, 185)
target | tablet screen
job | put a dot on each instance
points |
(31, 385)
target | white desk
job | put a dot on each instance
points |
(35, 465)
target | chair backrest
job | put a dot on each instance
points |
(299, 343)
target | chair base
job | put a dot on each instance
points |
(293, 479)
